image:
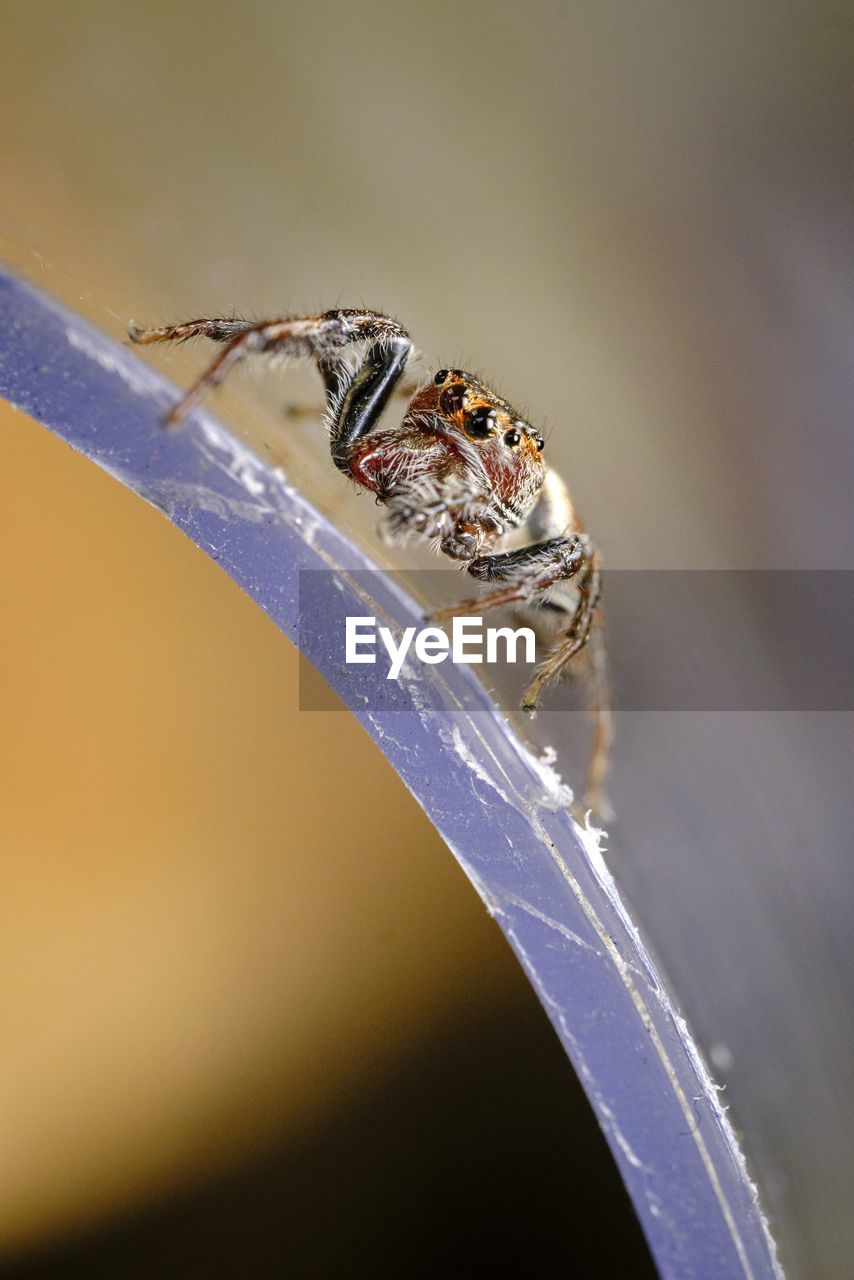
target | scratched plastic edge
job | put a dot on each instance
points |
(500, 810)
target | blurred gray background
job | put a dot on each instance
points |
(637, 221)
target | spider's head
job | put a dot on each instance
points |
(469, 408)
(477, 445)
(491, 437)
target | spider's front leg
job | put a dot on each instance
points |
(296, 410)
(355, 397)
(527, 576)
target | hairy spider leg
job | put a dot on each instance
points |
(585, 632)
(529, 572)
(576, 635)
(355, 400)
(602, 720)
(322, 337)
(216, 330)
(297, 410)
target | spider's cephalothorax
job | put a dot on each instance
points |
(462, 469)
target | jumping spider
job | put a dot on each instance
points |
(462, 470)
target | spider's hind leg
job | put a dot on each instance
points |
(527, 576)
(583, 637)
(602, 720)
(575, 636)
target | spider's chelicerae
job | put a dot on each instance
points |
(463, 469)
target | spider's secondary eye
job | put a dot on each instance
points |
(440, 377)
(453, 398)
(541, 444)
(480, 422)
(512, 437)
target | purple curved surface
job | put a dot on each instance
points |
(500, 811)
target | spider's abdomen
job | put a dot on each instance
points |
(514, 484)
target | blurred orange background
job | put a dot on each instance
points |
(220, 914)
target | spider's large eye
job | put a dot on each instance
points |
(480, 422)
(453, 398)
